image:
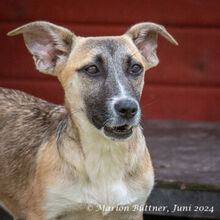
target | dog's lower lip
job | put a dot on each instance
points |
(118, 132)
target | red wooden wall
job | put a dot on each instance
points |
(185, 85)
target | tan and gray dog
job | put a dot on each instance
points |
(86, 159)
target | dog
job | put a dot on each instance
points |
(87, 159)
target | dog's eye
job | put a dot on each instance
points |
(136, 69)
(92, 70)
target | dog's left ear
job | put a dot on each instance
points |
(144, 36)
(49, 44)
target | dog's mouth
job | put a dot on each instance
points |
(115, 132)
(118, 132)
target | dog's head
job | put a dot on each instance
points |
(102, 76)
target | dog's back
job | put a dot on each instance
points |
(26, 122)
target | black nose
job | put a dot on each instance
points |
(126, 108)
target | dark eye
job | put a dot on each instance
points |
(92, 70)
(136, 69)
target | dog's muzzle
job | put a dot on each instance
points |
(127, 116)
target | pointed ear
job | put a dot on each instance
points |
(144, 36)
(49, 44)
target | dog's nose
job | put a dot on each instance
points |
(126, 108)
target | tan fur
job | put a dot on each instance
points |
(54, 163)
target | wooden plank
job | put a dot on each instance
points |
(194, 62)
(48, 90)
(185, 156)
(183, 12)
(193, 156)
(184, 103)
(191, 204)
(163, 102)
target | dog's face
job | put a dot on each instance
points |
(101, 76)
(111, 77)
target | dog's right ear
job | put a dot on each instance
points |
(49, 44)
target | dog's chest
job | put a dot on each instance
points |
(67, 197)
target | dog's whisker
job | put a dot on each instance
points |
(151, 102)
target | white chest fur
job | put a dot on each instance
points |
(69, 196)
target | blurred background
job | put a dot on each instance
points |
(185, 84)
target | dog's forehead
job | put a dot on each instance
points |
(109, 45)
